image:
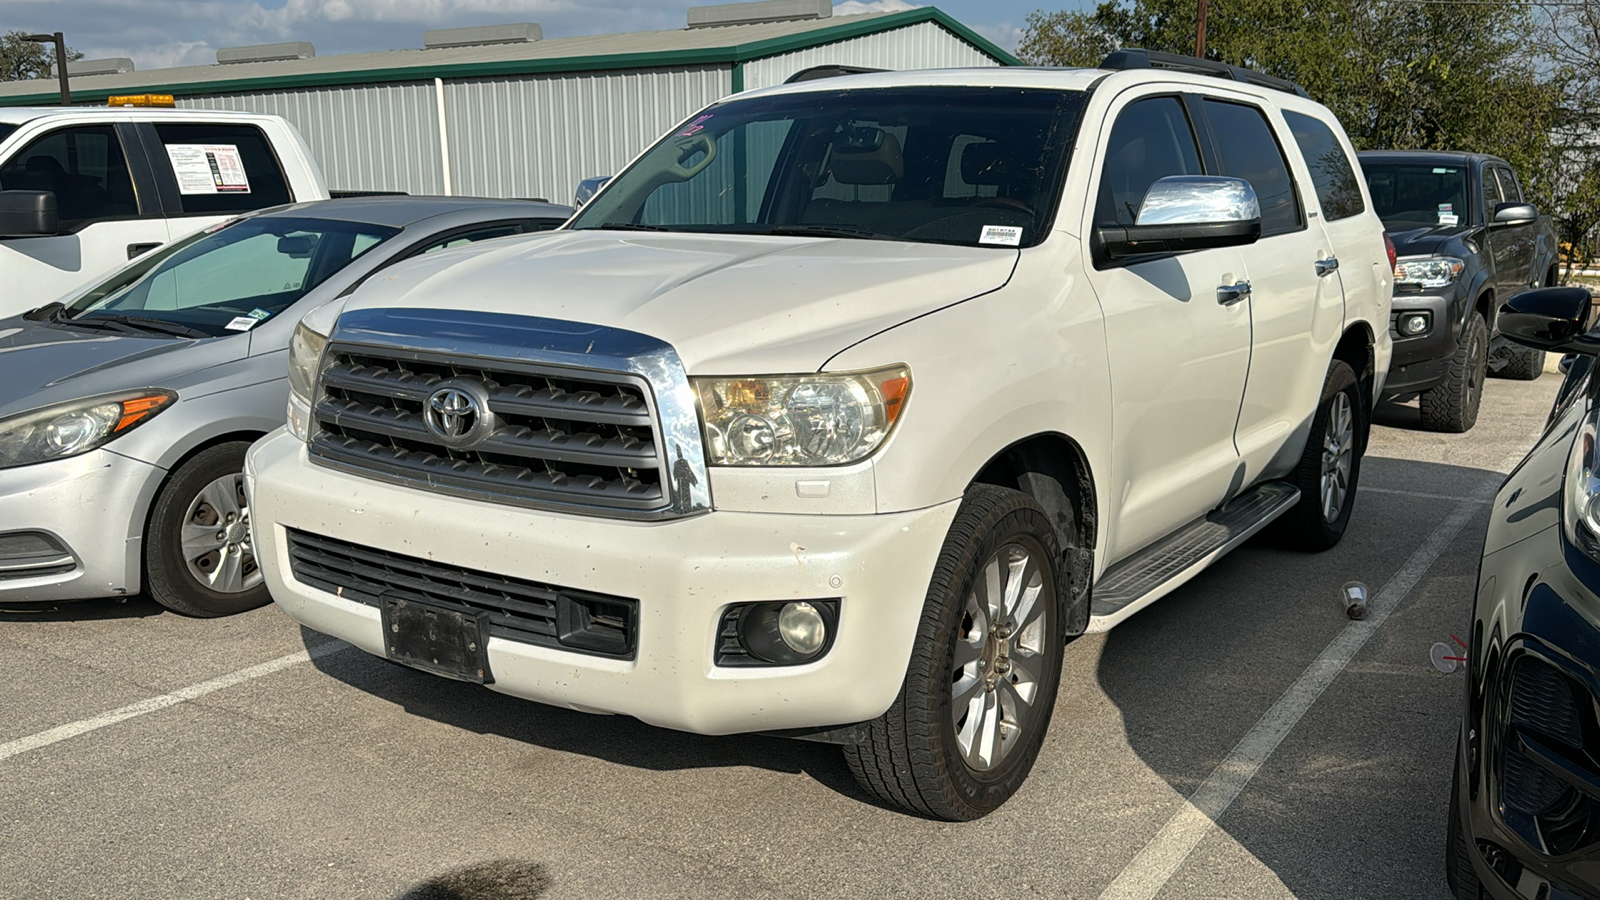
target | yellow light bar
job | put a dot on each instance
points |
(141, 100)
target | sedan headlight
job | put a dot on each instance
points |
(1580, 494)
(305, 357)
(1428, 271)
(800, 420)
(69, 429)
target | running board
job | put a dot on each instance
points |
(1162, 567)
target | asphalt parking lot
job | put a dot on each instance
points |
(1242, 738)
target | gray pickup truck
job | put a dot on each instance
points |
(1465, 241)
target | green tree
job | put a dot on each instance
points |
(1571, 46)
(1064, 38)
(22, 59)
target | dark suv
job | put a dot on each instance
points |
(1466, 241)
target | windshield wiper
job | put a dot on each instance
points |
(141, 323)
(630, 226)
(818, 231)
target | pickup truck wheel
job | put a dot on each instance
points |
(1330, 466)
(198, 556)
(1521, 363)
(1453, 405)
(981, 685)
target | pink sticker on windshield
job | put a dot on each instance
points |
(695, 127)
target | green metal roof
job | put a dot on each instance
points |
(723, 45)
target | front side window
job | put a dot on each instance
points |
(1332, 175)
(215, 282)
(222, 168)
(1250, 151)
(1151, 140)
(970, 166)
(84, 167)
(1417, 195)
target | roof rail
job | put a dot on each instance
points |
(1135, 58)
(827, 71)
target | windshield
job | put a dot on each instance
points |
(1417, 195)
(230, 277)
(6, 129)
(964, 166)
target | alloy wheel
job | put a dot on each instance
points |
(1338, 455)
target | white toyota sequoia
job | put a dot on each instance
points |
(844, 407)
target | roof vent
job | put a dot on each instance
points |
(266, 52)
(116, 65)
(520, 33)
(752, 13)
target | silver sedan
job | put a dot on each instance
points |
(126, 410)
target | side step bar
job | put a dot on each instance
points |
(1162, 567)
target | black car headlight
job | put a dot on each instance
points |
(76, 427)
(1580, 493)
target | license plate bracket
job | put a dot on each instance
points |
(448, 641)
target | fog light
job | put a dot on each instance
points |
(776, 633)
(802, 628)
(1413, 324)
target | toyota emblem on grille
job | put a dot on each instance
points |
(456, 414)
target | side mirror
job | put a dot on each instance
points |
(1515, 213)
(1187, 212)
(1556, 318)
(587, 188)
(28, 214)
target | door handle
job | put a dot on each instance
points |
(141, 249)
(1229, 294)
(1324, 266)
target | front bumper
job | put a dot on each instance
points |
(684, 574)
(87, 508)
(1422, 362)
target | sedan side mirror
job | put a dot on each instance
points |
(1187, 212)
(1556, 318)
(28, 214)
(587, 188)
(1515, 213)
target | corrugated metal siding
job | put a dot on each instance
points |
(538, 136)
(372, 137)
(926, 45)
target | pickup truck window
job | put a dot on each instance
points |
(1151, 140)
(1334, 177)
(1492, 195)
(1510, 191)
(252, 268)
(1417, 195)
(263, 185)
(1250, 151)
(6, 129)
(84, 167)
(962, 166)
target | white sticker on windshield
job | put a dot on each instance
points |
(208, 169)
(242, 323)
(1008, 235)
(1448, 219)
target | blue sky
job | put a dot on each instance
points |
(160, 33)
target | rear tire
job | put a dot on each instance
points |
(1330, 466)
(1521, 363)
(981, 685)
(198, 556)
(1452, 406)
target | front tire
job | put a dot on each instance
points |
(1330, 466)
(981, 685)
(1452, 406)
(199, 560)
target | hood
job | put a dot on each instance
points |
(43, 364)
(729, 304)
(1427, 240)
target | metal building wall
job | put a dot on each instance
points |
(369, 137)
(538, 136)
(925, 45)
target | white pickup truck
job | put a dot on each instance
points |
(85, 189)
(842, 409)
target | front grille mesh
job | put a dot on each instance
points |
(563, 436)
(1550, 715)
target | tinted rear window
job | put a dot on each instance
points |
(1331, 172)
(223, 168)
(1250, 151)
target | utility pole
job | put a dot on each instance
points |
(1200, 31)
(61, 60)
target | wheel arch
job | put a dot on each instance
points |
(1057, 457)
(1357, 348)
(187, 453)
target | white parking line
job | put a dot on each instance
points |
(144, 707)
(1161, 858)
(1424, 495)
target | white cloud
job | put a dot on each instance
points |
(1005, 34)
(858, 8)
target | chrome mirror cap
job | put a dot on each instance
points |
(1198, 200)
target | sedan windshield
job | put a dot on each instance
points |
(227, 278)
(1417, 195)
(948, 165)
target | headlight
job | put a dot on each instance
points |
(1428, 271)
(305, 356)
(1580, 494)
(800, 420)
(68, 429)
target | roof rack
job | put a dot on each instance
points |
(828, 71)
(1135, 58)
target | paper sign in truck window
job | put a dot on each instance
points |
(208, 169)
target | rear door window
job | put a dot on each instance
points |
(1151, 140)
(84, 167)
(1338, 191)
(221, 169)
(1250, 151)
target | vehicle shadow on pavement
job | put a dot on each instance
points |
(81, 610)
(1406, 415)
(618, 739)
(500, 879)
(1353, 802)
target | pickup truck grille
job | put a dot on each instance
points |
(553, 436)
